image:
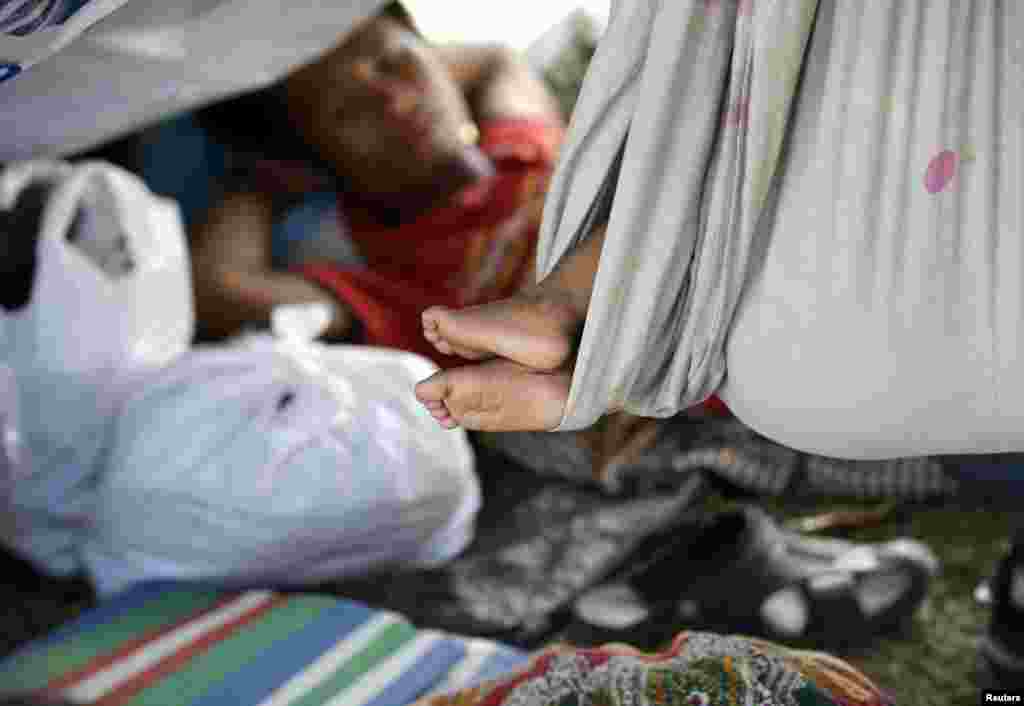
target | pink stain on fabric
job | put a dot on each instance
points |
(941, 171)
(738, 114)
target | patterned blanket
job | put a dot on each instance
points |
(734, 453)
(159, 645)
(699, 669)
(162, 646)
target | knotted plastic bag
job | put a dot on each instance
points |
(109, 301)
(276, 459)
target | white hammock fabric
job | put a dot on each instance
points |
(689, 193)
(818, 214)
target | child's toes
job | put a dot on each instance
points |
(440, 412)
(433, 335)
(431, 320)
(433, 390)
(444, 417)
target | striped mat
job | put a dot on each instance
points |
(160, 645)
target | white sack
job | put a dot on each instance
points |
(12, 454)
(111, 300)
(280, 462)
(116, 65)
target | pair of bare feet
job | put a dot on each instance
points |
(523, 352)
(520, 351)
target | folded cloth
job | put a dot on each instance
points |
(699, 668)
(191, 646)
(732, 452)
(735, 453)
(539, 545)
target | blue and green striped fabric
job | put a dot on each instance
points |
(161, 645)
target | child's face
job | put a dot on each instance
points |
(382, 108)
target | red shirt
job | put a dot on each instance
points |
(477, 248)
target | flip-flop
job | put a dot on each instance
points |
(738, 572)
(1002, 647)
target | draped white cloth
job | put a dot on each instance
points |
(818, 214)
(703, 89)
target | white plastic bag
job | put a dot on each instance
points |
(112, 288)
(13, 461)
(280, 461)
(110, 301)
(115, 65)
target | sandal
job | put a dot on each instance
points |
(1002, 647)
(739, 572)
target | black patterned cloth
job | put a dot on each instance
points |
(540, 544)
(551, 528)
(735, 454)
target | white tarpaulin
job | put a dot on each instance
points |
(75, 74)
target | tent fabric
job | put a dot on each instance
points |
(113, 66)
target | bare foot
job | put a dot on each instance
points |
(532, 328)
(496, 395)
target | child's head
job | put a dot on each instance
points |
(381, 108)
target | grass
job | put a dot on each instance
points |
(933, 662)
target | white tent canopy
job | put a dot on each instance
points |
(115, 65)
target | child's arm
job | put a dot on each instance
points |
(235, 285)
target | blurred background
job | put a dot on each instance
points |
(558, 37)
